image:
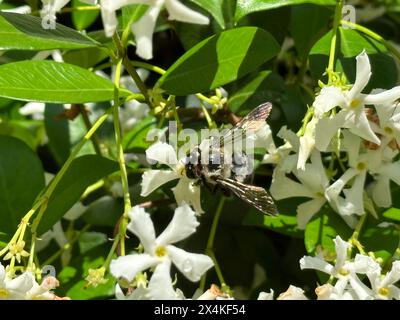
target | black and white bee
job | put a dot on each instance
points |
(218, 165)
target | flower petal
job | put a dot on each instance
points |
(341, 248)
(282, 187)
(363, 74)
(129, 266)
(307, 210)
(381, 193)
(144, 29)
(162, 153)
(326, 128)
(153, 179)
(388, 96)
(360, 289)
(358, 124)
(188, 191)
(328, 98)
(393, 275)
(141, 225)
(266, 295)
(192, 265)
(160, 285)
(182, 225)
(316, 263)
(178, 11)
(292, 293)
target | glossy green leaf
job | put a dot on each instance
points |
(392, 214)
(21, 180)
(307, 25)
(218, 60)
(49, 81)
(83, 18)
(104, 212)
(135, 139)
(382, 239)
(322, 229)
(257, 89)
(83, 172)
(215, 8)
(245, 7)
(25, 32)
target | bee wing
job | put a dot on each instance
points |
(252, 122)
(258, 197)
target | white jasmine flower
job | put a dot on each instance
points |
(329, 292)
(307, 143)
(159, 252)
(266, 295)
(50, 7)
(352, 102)
(313, 182)
(21, 9)
(292, 293)
(185, 191)
(34, 109)
(389, 120)
(343, 270)
(383, 286)
(144, 28)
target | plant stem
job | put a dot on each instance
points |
(88, 125)
(374, 36)
(354, 238)
(120, 156)
(336, 23)
(210, 245)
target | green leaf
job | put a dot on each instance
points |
(218, 60)
(104, 212)
(244, 7)
(307, 25)
(215, 8)
(322, 229)
(83, 18)
(49, 81)
(21, 180)
(265, 86)
(14, 129)
(85, 58)
(90, 240)
(392, 214)
(132, 13)
(135, 139)
(350, 44)
(83, 172)
(381, 239)
(25, 32)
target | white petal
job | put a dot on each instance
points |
(293, 293)
(59, 4)
(163, 153)
(328, 98)
(326, 128)
(361, 290)
(178, 11)
(143, 31)
(20, 285)
(282, 187)
(388, 96)
(391, 171)
(332, 193)
(153, 179)
(324, 292)
(363, 74)
(129, 266)
(266, 295)
(341, 248)
(307, 144)
(160, 285)
(316, 263)
(354, 197)
(182, 225)
(2, 274)
(393, 276)
(358, 124)
(394, 292)
(141, 225)
(110, 21)
(365, 264)
(307, 210)
(289, 136)
(381, 193)
(192, 265)
(351, 144)
(187, 191)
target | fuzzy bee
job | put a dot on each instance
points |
(217, 164)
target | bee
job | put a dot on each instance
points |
(216, 164)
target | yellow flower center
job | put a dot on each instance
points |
(361, 166)
(160, 252)
(3, 294)
(388, 130)
(343, 272)
(355, 103)
(384, 291)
